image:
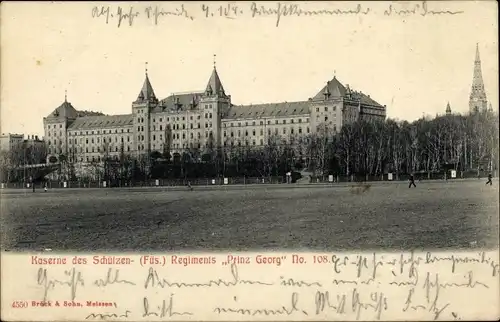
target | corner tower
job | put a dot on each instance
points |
(477, 99)
(214, 104)
(141, 111)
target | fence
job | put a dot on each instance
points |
(245, 180)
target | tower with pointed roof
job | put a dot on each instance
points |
(141, 111)
(448, 109)
(55, 127)
(477, 99)
(214, 104)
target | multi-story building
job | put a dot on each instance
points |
(200, 120)
(10, 141)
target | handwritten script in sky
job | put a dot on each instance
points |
(126, 16)
(425, 286)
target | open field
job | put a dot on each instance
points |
(453, 214)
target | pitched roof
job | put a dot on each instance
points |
(214, 84)
(64, 110)
(103, 121)
(146, 92)
(179, 102)
(364, 99)
(268, 110)
(334, 88)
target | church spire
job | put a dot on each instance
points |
(65, 96)
(448, 109)
(477, 99)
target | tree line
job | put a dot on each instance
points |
(362, 149)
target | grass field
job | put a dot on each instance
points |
(458, 214)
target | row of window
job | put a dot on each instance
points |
(284, 131)
(97, 132)
(98, 140)
(54, 126)
(55, 134)
(326, 118)
(96, 149)
(292, 121)
(326, 109)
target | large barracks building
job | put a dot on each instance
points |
(199, 120)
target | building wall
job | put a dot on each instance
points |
(9, 141)
(207, 123)
(95, 144)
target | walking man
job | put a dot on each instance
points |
(412, 181)
(489, 180)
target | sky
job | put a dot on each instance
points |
(414, 63)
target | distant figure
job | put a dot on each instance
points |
(45, 188)
(33, 184)
(412, 181)
(489, 180)
(189, 186)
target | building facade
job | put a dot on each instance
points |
(200, 120)
(9, 141)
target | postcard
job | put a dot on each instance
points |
(249, 161)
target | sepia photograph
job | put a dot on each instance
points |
(219, 127)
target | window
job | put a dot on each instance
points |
(300, 120)
(326, 108)
(261, 132)
(317, 109)
(276, 122)
(284, 130)
(326, 118)
(253, 132)
(284, 121)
